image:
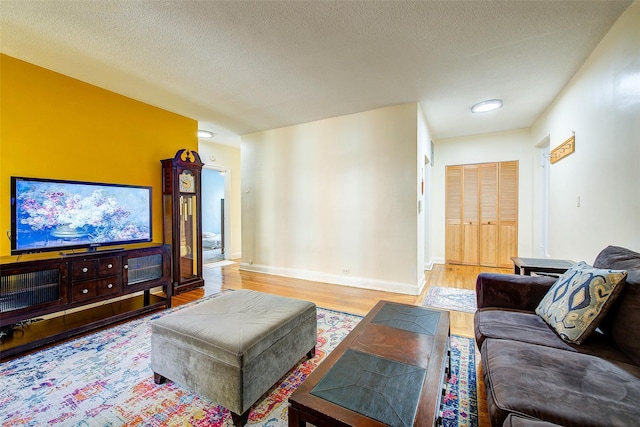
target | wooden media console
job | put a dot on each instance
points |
(47, 298)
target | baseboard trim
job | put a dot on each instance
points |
(334, 279)
(437, 260)
(423, 283)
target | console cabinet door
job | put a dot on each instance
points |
(31, 289)
(147, 268)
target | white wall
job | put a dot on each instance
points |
(422, 136)
(341, 194)
(493, 147)
(227, 158)
(335, 200)
(424, 191)
(601, 104)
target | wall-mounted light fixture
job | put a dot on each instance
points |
(486, 106)
(204, 133)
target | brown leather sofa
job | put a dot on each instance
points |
(534, 378)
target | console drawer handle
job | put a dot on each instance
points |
(126, 267)
(85, 269)
(85, 291)
(110, 285)
(110, 266)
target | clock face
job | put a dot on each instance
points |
(187, 182)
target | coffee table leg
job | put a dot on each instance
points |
(294, 418)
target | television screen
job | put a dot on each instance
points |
(48, 215)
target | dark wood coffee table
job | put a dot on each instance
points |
(389, 370)
(526, 266)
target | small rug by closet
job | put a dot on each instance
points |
(451, 299)
(104, 379)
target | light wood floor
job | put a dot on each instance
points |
(351, 300)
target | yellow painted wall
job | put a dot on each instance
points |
(54, 126)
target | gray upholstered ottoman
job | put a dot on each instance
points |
(233, 348)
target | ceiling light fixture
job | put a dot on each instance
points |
(204, 133)
(486, 106)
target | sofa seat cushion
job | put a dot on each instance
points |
(561, 387)
(579, 299)
(516, 325)
(528, 327)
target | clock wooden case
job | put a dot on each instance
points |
(182, 209)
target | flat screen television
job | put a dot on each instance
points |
(51, 215)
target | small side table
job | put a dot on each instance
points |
(526, 266)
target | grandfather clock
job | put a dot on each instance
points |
(182, 210)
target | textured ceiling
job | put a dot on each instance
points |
(244, 66)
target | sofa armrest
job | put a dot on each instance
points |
(511, 290)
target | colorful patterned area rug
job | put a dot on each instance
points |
(451, 299)
(105, 379)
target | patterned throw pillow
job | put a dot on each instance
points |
(579, 299)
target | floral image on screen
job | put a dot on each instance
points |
(53, 214)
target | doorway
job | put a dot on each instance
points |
(213, 215)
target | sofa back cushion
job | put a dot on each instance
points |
(624, 318)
